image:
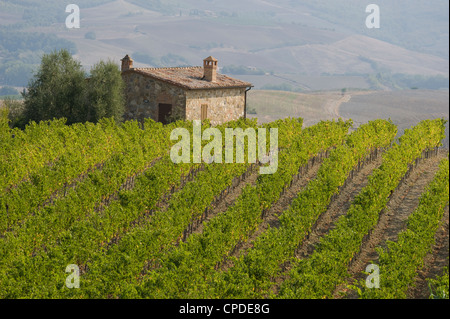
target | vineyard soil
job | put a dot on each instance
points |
(393, 220)
(271, 218)
(435, 261)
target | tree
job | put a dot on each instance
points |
(60, 89)
(105, 92)
(57, 90)
(15, 110)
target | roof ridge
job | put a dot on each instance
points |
(170, 67)
(189, 77)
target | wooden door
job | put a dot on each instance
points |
(164, 111)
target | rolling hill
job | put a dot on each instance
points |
(282, 37)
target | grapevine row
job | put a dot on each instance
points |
(317, 276)
(50, 226)
(400, 260)
(182, 272)
(103, 227)
(439, 287)
(166, 227)
(112, 146)
(251, 276)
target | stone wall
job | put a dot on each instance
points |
(143, 94)
(223, 104)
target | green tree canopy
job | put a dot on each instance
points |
(60, 89)
(57, 89)
(105, 92)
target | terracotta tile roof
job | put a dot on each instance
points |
(190, 78)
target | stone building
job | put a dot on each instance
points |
(191, 93)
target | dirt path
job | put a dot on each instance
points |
(271, 216)
(332, 105)
(392, 221)
(434, 262)
(337, 208)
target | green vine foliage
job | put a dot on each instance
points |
(318, 275)
(108, 198)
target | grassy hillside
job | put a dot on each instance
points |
(272, 105)
(404, 108)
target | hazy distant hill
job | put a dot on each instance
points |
(256, 39)
(293, 38)
(414, 24)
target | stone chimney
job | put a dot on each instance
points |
(127, 63)
(210, 69)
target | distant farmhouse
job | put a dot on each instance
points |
(191, 93)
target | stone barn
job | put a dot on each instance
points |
(191, 93)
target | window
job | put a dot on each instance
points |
(204, 114)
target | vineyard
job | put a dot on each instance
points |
(108, 199)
